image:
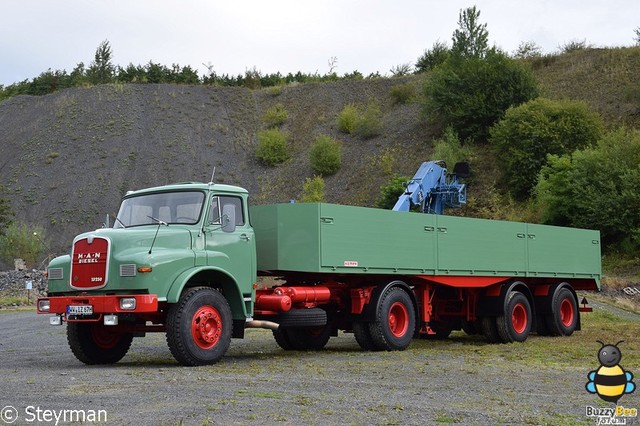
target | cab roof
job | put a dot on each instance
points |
(189, 186)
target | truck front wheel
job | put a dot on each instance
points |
(94, 343)
(395, 321)
(199, 327)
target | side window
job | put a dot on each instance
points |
(217, 207)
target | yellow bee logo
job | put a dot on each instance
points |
(610, 381)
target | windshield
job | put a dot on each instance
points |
(170, 207)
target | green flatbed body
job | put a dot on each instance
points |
(329, 238)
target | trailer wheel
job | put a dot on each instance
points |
(363, 336)
(515, 324)
(489, 329)
(395, 321)
(563, 320)
(94, 343)
(199, 327)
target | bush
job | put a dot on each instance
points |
(22, 241)
(596, 188)
(273, 147)
(313, 190)
(369, 123)
(326, 157)
(529, 132)
(471, 93)
(366, 124)
(275, 116)
(450, 149)
(348, 119)
(403, 93)
(390, 192)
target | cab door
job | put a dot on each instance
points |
(230, 242)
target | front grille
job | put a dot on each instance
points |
(55, 273)
(128, 270)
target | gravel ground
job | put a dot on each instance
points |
(258, 383)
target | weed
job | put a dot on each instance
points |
(273, 147)
(275, 116)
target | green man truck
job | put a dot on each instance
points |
(184, 260)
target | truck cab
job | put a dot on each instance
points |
(164, 240)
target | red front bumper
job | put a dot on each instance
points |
(145, 303)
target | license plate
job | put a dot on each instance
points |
(79, 310)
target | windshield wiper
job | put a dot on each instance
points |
(160, 222)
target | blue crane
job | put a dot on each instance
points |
(433, 189)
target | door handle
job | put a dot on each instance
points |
(245, 237)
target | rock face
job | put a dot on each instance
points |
(68, 157)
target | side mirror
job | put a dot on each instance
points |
(228, 218)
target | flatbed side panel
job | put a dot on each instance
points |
(469, 246)
(563, 251)
(376, 240)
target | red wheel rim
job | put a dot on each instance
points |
(567, 312)
(398, 319)
(206, 327)
(519, 318)
(104, 338)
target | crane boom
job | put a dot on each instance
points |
(433, 189)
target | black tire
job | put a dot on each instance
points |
(199, 327)
(395, 321)
(282, 339)
(470, 327)
(302, 318)
(363, 336)
(563, 319)
(489, 329)
(307, 339)
(94, 343)
(515, 324)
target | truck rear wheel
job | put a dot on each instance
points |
(363, 336)
(489, 329)
(199, 327)
(515, 324)
(94, 343)
(563, 320)
(395, 321)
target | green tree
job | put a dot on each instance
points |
(313, 190)
(471, 38)
(596, 188)
(531, 131)
(470, 93)
(433, 57)
(101, 70)
(325, 156)
(22, 241)
(390, 192)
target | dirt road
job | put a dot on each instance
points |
(456, 381)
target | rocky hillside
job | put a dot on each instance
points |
(68, 157)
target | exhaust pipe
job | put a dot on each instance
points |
(269, 325)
